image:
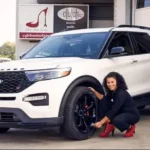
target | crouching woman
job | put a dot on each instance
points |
(118, 108)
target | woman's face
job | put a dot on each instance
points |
(111, 83)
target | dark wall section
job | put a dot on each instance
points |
(98, 9)
(101, 12)
(73, 1)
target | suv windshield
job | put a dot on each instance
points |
(87, 45)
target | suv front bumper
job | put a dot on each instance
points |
(50, 87)
(16, 118)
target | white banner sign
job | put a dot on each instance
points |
(35, 21)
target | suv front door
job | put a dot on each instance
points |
(123, 63)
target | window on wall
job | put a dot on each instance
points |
(101, 11)
(143, 3)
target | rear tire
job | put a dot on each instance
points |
(3, 130)
(80, 112)
(141, 107)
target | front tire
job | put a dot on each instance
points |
(80, 113)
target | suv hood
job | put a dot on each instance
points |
(37, 64)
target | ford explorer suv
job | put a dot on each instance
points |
(48, 86)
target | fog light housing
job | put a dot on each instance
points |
(34, 98)
(37, 99)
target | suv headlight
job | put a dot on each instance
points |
(47, 74)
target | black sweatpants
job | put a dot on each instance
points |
(121, 121)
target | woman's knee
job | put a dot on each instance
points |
(126, 119)
(115, 120)
(119, 123)
(137, 119)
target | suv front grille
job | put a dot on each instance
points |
(13, 82)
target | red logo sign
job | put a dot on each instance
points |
(34, 25)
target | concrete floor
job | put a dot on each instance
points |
(21, 139)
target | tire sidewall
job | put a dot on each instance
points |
(69, 112)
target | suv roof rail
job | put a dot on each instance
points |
(134, 26)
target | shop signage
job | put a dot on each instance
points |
(70, 17)
(35, 21)
(70, 14)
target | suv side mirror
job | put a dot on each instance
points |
(117, 50)
(23, 54)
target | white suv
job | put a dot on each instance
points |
(49, 85)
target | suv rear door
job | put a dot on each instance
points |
(142, 57)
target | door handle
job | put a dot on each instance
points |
(134, 61)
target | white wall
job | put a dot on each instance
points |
(22, 45)
(121, 12)
(134, 5)
(142, 16)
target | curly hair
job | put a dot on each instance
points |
(121, 83)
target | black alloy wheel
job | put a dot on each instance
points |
(80, 113)
(85, 113)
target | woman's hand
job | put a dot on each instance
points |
(98, 95)
(93, 90)
(98, 124)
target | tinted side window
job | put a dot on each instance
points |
(143, 3)
(143, 42)
(121, 40)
